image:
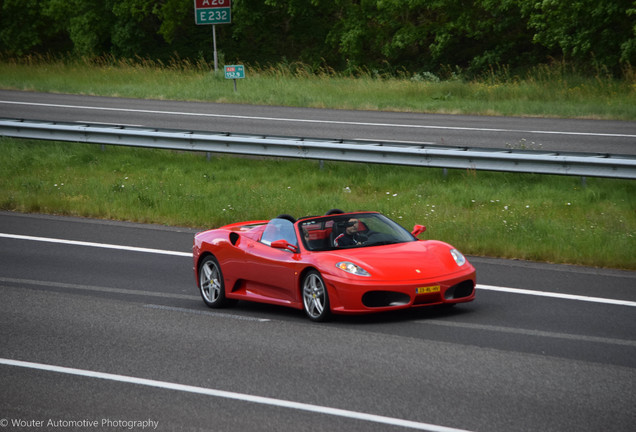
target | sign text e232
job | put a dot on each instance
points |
(213, 16)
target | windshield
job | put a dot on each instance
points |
(279, 229)
(351, 231)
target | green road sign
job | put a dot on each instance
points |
(234, 72)
(212, 11)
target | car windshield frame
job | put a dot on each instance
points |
(328, 233)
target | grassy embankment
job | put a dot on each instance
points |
(532, 217)
(554, 91)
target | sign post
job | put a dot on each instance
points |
(213, 12)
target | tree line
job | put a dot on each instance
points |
(414, 36)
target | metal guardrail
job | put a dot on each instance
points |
(522, 161)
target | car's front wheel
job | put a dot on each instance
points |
(211, 283)
(315, 297)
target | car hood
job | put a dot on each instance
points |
(404, 261)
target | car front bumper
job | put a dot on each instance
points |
(348, 296)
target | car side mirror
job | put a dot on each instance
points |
(284, 244)
(417, 230)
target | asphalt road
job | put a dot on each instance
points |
(127, 339)
(614, 137)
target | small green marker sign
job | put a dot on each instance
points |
(234, 72)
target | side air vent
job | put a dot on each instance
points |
(460, 290)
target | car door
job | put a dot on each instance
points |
(271, 272)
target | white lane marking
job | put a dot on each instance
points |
(419, 143)
(137, 293)
(232, 395)
(188, 254)
(209, 313)
(107, 123)
(97, 245)
(293, 120)
(99, 289)
(526, 332)
(557, 295)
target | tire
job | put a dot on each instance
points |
(211, 283)
(315, 297)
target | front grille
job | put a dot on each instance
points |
(375, 299)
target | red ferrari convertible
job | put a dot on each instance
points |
(341, 263)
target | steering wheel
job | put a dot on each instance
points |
(360, 238)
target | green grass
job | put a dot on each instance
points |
(554, 91)
(534, 217)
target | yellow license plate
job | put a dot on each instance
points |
(427, 290)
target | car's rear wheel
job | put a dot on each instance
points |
(315, 297)
(211, 284)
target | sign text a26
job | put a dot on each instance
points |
(199, 4)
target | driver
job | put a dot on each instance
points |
(348, 237)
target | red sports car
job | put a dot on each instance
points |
(341, 263)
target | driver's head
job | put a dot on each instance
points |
(352, 226)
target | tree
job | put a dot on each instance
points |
(597, 32)
(135, 30)
(87, 23)
(383, 35)
(26, 27)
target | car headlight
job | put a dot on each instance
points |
(350, 267)
(458, 257)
